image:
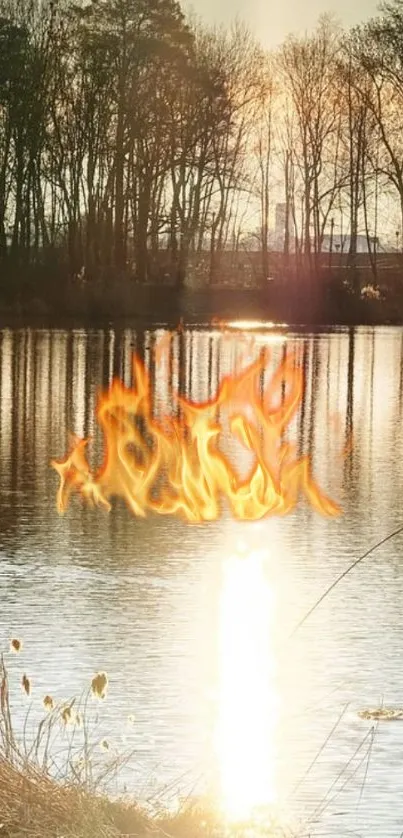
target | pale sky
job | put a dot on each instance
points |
(272, 20)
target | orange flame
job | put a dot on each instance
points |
(175, 465)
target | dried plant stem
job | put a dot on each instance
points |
(342, 576)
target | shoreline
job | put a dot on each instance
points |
(125, 306)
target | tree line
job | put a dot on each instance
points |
(132, 137)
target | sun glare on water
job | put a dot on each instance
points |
(247, 699)
(251, 325)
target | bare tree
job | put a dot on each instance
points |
(308, 69)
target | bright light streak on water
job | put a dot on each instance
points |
(247, 699)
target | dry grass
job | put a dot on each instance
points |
(53, 782)
(34, 805)
(37, 806)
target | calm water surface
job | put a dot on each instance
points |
(193, 632)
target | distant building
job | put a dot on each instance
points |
(280, 225)
(341, 244)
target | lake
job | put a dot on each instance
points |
(192, 622)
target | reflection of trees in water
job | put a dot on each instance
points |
(401, 378)
(350, 461)
(350, 385)
(210, 356)
(49, 385)
(302, 412)
(370, 425)
(373, 414)
(54, 379)
(314, 391)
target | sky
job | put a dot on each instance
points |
(272, 20)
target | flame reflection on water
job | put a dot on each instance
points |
(247, 698)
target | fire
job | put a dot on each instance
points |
(174, 465)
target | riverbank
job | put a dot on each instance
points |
(34, 805)
(55, 779)
(80, 304)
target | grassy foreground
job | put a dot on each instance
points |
(54, 779)
(56, 774)
(35, 805)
